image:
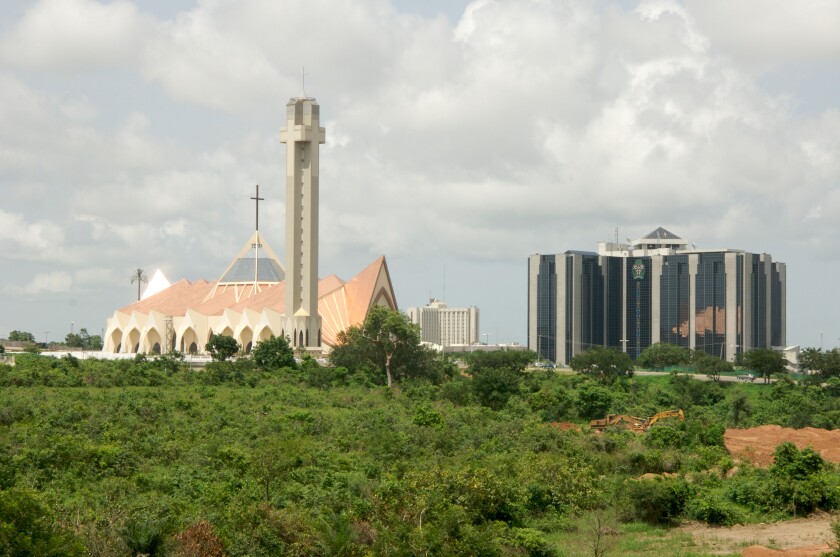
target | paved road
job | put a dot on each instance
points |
(701, 377)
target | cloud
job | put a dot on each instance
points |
(20, 239)
(764, 34)
(69, 35)
(48, 283)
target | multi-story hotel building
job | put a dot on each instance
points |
(655, 289)
(445, 326)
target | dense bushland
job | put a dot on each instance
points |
(150, 457)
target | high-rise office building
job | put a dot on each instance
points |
(655, 289)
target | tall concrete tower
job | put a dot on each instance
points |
(302, 136)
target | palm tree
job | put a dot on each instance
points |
(139, 276)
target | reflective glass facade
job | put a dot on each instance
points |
(546, 308)
(710, 305)
(721, 302)
(674, 324)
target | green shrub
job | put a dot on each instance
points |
(714, 509)
(658, 500)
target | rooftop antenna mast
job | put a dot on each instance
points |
(303, 81)
(257, 243)
(444, 282)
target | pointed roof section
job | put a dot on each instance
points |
(661, 234)
(370, 287)
(255, 262)
(159, 283)
(254, 266)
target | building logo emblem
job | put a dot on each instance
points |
(638, 270)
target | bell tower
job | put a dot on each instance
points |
(302, 136)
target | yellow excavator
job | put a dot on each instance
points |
(634, 423)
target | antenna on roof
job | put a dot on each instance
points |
(303, 80)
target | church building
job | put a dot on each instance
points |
(256, 297)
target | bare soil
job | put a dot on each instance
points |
(756, 445)
(801, 537)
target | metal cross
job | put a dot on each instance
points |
(258, 199)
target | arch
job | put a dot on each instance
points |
(226, 332)
(265, 334)
(115, 340)
(132, 341)
(307, 337)
(300, 334)
(156, 348)
(189, 341)
(152, 338)
(246, 339)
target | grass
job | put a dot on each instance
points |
(633, 539)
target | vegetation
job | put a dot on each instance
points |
(139, 276)
(274, 354)
(662, 355)
(826, 365)
(221, 347)
(21, 336)
(253, 458)
(605, 365)
(386, 346)
(764, 361)
(83, 340)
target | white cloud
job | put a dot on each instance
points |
(765, 33)
(20, 239)
(48, 283)
(67, 35)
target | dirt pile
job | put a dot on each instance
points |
(810, 551)
(756, 445)
(809, 536)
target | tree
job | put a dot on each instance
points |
(603, 364)
(493, 386)
(711, 366)
(662, 354)
(83, 340)
(21, 336)
(221, 347)
(2, 349)
(824, 364)
(28, 528)
(139, 276)
(511, 359)
(764, 361)
(386, 340)
(273, 353)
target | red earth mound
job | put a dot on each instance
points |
(756, 445)
(809, 551)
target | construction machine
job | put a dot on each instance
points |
(634, 423)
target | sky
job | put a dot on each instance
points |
(461, 137)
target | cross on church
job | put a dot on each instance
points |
(257, 199)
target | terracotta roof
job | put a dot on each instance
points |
(174, 300)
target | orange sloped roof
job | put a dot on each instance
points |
(175, 300)
(361, 289)
(340, 304)
(327, 285)
(271, 296)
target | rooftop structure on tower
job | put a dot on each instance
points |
(256, 297)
